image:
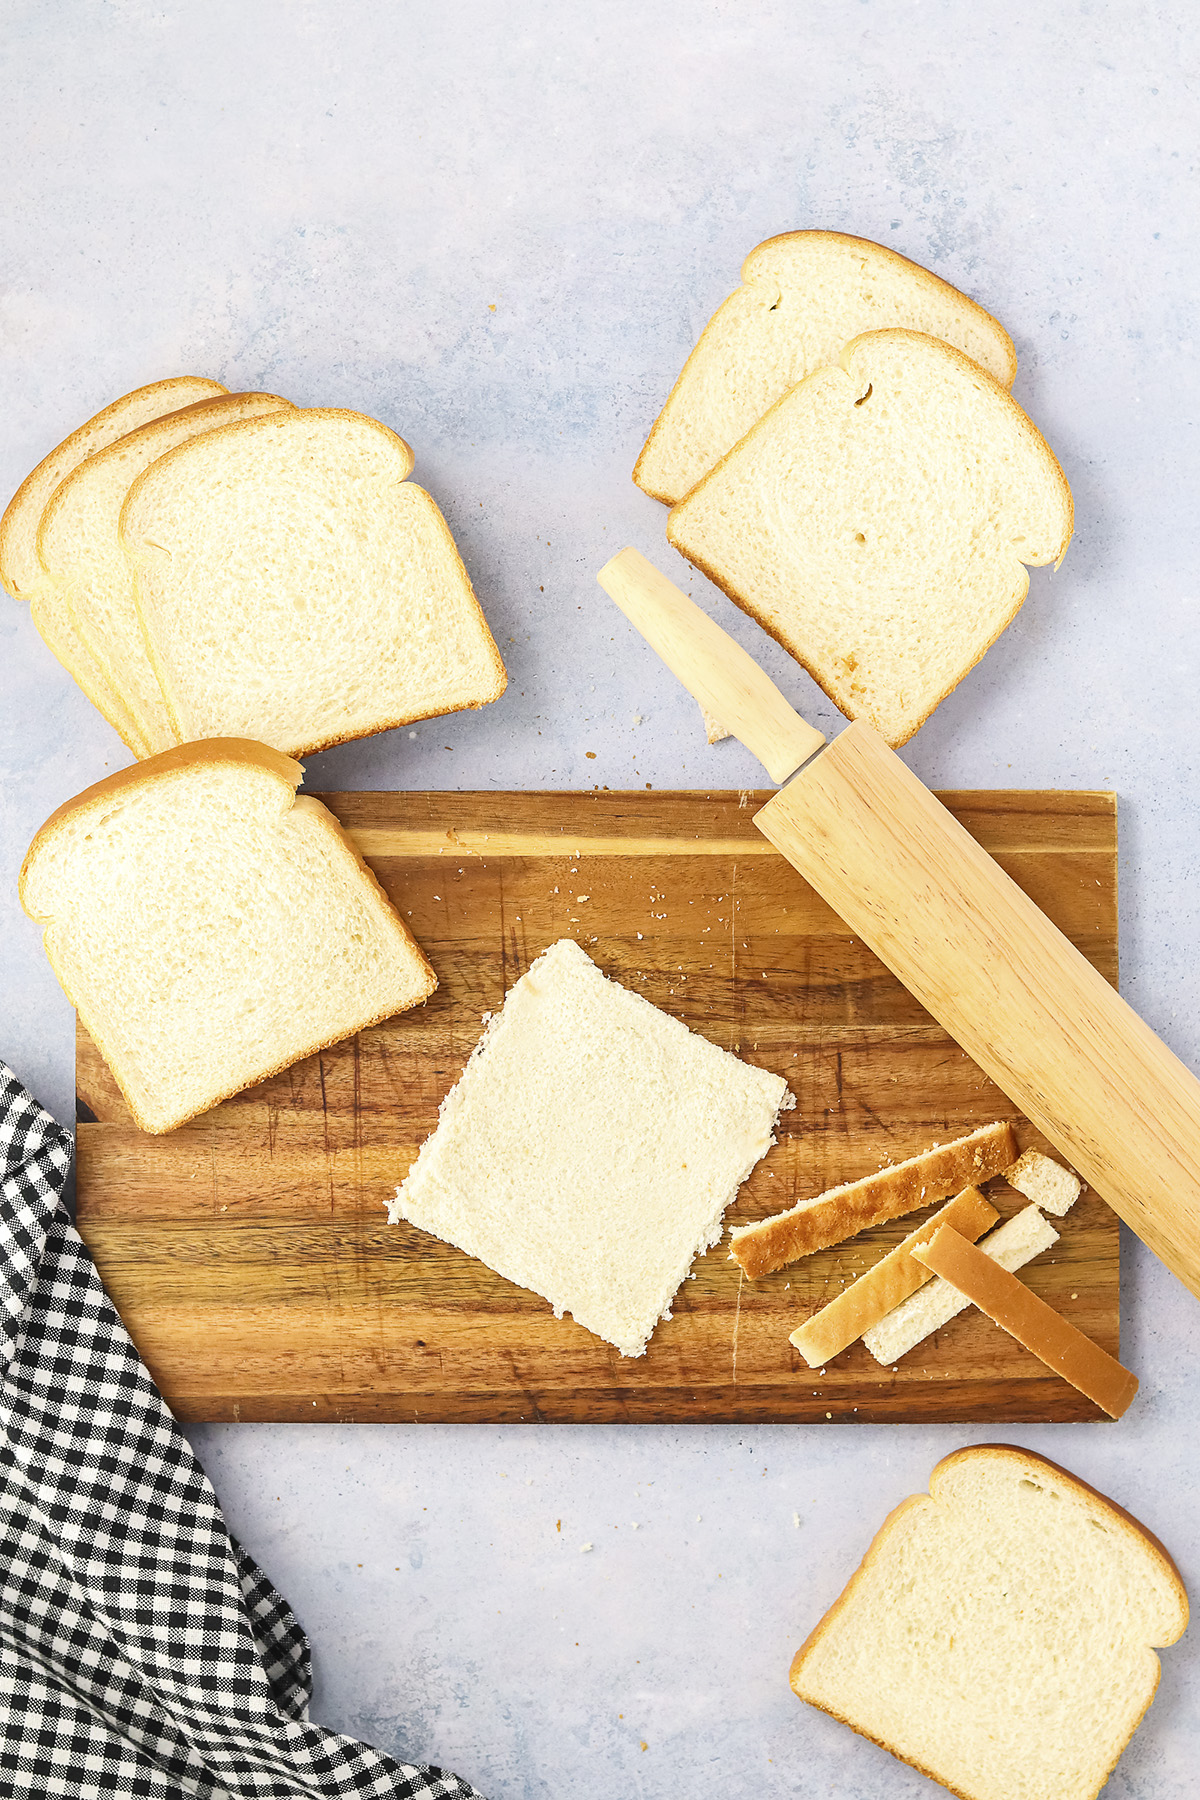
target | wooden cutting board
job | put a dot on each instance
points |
(249, 1252)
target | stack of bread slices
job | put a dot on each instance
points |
(235, 582)
(842, 456)
(208, 564)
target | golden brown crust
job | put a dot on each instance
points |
(1003, 340)
(1170, 1567)
(200, 413)
(1026, 1458)
(926, 278)
(179, 756)
(843, 1212)
(892, 1279)
(311, 747)
(1025, 425)
(68, 455)
(794, 648)
(214, 751)
(1007, 1301)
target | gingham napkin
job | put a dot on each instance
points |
(142, 1652)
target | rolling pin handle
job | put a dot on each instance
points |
(712, 666)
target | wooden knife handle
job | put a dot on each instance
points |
(714, 668)
(1003, 981)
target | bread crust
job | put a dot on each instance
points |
(311, 747)
(1007, 1301)
(925, 278)
(892, 1279)
(900, 1188)
(794, 648)
(214, 751)
(124, 719)
(748, 273)
(34, 491)
(1027, 1459)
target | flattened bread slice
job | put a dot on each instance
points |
(295, 587)
(804, 295)
(998, 1634)
(878, 522)
(20, 568)
(211, 927)
(590, 1147)
(81, 552)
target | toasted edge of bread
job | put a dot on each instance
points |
(842, 1212)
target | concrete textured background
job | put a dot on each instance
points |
(500, 229)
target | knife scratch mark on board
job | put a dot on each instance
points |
(736, 1010)
(325, 1129)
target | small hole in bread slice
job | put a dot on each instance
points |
(866, 396)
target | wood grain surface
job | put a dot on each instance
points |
(249, 1252)
(1032, 1011)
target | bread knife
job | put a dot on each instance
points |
(976, 952)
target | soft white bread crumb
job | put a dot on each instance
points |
(81, 553)
(590, 1148)
(20, 569)
(878, 522)
(1045, 1182)
(211, 927)
(1012, 1245)
(998, 1633)
(804, 295)
(295, 587)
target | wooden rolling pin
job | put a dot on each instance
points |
(977, 953)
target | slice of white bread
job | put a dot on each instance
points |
(81, 552)
(211, 927)
(1012, 1245)
(590, 1148)
(878, 522)
(1046, 1182)
(20, 569)
(998, 1633)
(1026, 1317)
(804, 295)
(842, 1212)
(889, 1281)
(295, 587)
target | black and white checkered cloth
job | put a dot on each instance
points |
(142, 1652)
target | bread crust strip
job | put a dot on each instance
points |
(1018, 1310)
(893, 1278)
(843, 1212)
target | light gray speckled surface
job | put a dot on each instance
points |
(499, 229)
